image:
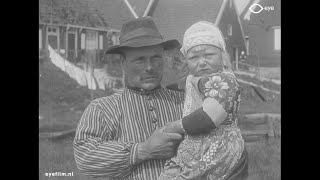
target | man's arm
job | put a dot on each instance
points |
(96, 154)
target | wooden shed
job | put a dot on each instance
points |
(71, 27)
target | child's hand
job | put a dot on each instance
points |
(174, 127)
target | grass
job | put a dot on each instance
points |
(61, 99)
(265, 160)
(57, 156)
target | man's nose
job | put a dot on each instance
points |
(149, 66)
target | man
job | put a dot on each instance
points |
(121, 136)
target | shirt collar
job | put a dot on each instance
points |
(143, 91)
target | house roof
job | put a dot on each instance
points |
(174, 17)
(264, 19)
(115, 12)
(74, 12)
(171, 17)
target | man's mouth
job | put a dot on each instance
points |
(150, 78)
(202, 70)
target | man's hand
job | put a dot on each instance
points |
(160, 145)
(174, 127)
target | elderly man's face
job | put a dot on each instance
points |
(143, 66)
(204, 59)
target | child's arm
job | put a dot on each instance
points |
(219, 91)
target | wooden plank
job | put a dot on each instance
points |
(55, 135)
(263, 115)
(131, 9)
(146, 12)
(254, 133)
(82, 27)
(253, 121)
(252, 136)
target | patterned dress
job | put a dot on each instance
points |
(210, 156)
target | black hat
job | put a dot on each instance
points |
(141, 32)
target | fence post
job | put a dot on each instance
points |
(90, 58)
(237, 59)
(258, 72)
(270, 127)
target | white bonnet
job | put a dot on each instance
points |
(202, 32)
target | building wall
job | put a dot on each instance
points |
(81, 52)
(236, 40)
(43, 52)
(44, 33)
(62, 35)
(261, 43)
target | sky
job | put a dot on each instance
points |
(241, 4)
(248, 13)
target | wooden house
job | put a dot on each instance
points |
(71, 27)
(263, 32)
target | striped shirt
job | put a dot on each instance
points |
(106, 139)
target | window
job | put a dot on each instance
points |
(115, 39)
(53, 37)
(91, 40)
(52, 30)
(229, 30)
(40, 38)
(277, 39)
(83, 41)
(100, 42)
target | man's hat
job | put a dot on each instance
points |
(141, 32)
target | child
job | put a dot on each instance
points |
(213, 143)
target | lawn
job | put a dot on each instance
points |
(265, 160)
(57, 156)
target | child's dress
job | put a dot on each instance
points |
(212, 155)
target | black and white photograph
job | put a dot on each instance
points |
(160, 89)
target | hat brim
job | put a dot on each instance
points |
(142, 42)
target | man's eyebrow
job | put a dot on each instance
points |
(156, 55)
(137, 58)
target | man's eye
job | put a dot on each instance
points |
(193, 57)
(156, 58)
(210, 55)
(139, 60)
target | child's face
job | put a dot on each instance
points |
(204, 60)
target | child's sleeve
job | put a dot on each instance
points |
(219, 91)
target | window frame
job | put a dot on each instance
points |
(100, 41)
(83, 41)
(40, 38)
(53, 33)
(274, 29)
(229, 29)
